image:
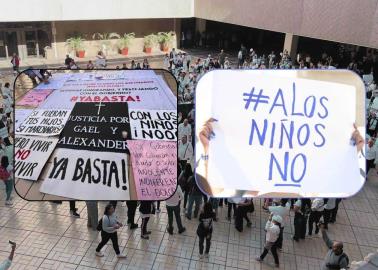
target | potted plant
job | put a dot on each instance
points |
(104, 38)
(165, 39)
(149, 41)
(76, 44)
(124, 43)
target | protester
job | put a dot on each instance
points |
(173, 207)
(131, 209)
(272, 228)
(6, 264)
(195, 196)
(371, 154)
(109, 227)
(301, 209)
(68, 61)
(146, 65)
(231, 206)
(282, 210)
(330, 204)
(146, 209)
(183, 181)
(15, 63)
(242, 208)
(317, 208)
(124, 66)
(100, 60)
(185, 150)
(205, 229)
(7, 176)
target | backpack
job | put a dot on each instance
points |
(99, 225)
(337, 266)
(4, 174)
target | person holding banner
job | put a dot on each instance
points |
(6, 175)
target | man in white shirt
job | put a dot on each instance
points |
(185, 151)
(173, 207)
(371, 154)
(6, 90)
(282, 210)
(185, 129)
(328, 207)
(7, 263)
(317, 208)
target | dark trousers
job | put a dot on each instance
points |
(327, 217)
(280, 238)
(334, 211)
(314, 218)
(176, 211)
(158, 205)
(186, 194)
(197, 199)
(73, 206)
(144, 225)
(105, 238)
(241, 213)
(369, 165)
(299, 226)
(208, 243)
(273, 249)
(131, 209)
(230, 207)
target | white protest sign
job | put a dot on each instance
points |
(21, 115)
(87, 175)
(54, 82)
(278, 133)
(31, 154)
(44, 122)
(153, 125)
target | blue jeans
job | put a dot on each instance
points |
(8, 188)
(198, 200)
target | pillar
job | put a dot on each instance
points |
(53, 31)
(177, 30)
(200, 25)
(291, 45)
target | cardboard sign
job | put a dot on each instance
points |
(20, 116)
(97, 127)
(44, 122)
(155, 168)
(153, 125)
(138, 93)
(34, 97)
(31, 154)
(87, 175)
(282, 133)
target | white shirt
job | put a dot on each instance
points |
(184, 130)
(185, 151)
(282, 211)
(317, 205)
(371, 152)
(176, 198)
(331, 204)
(7, 91)
(272, 231)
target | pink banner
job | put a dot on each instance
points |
(155, 168)
(34, 97)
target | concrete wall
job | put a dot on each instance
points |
(65, 10)
(346, 21)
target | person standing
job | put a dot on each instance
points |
(173, 207)
(205, 229)
(185, 151)
(215, 203)
(371, 154)
(301, 209)
(335, 257)
(145, 209)
(317, 208)
(110, 225)
(241, 213)
(328, 207)
(6, 175)
(15, 63)
(67, 61)
(272, 228)
(92, 209)
(332, 218)
(195, 196)
(231, 206)
(6, 264)
(222, 58)
(185, 129)
(131, 209)
(183, 181)
(282, 210)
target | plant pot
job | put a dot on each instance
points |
(80, 54)
(125, 51)
(164, 48)
(147, 50)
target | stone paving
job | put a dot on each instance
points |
(49, 238)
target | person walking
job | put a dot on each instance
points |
(317, 208)
(183, 181)
(131, 209)
(6, 264)
(231, 206)
(145, 209)
(241, 213)
(328, 207)
(215, 203)
(335, 257)
(109, 227)
(205, 229)
(222, 58)
(6, 175)
(195, 196)
(282, 210)
(15, 63)
(92, 210)
(332, 218)
(173, 207)
(272, 228)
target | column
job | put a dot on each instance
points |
(177, 30)
(53, 31)
(200, 25)
(291, 44)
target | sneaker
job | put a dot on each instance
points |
(99, 254)
(121, 256)
(170, 231)
(182, 230)
(259, 259)
(8, 202)
(133, 226)
(145, 237)
(75, 214)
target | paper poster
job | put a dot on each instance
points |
(34, 97)
(276, 132)
(31, 154)
(20, 116)
(138, 93)
(55, 82)
(87, 175)
(153, 125)
(155, 168)
(44, 122)
(97, 127)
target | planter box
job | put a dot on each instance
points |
(164, 48)
(125, 51)
(147, 50)
(80, 54)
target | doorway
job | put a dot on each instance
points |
(11, 42)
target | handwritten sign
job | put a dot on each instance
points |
(280, 134)
(34, 97)
(153, 125)
(155, 168)
(31, 154)
(97, 127)
(44, 122)
(87, 175)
